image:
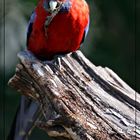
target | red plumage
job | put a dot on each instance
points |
(64, 33)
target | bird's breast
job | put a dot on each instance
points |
(64, 33)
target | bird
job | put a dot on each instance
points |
(65, 33)
(56, 27)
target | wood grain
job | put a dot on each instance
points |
(79, 101)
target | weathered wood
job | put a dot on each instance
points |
(79, 100)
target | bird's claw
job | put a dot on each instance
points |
(58, 61)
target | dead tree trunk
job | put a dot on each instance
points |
(83, 102)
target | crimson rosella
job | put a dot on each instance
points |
(55, 27)
(64, 33)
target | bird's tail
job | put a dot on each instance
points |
(26, 116)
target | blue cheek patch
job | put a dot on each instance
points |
(66, 6)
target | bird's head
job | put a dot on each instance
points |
(52, 5)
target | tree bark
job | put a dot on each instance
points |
(79, 101)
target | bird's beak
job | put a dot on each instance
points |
(53, 5)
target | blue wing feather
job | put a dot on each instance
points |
(30, 25)
(85, 32)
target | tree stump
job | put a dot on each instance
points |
(79, 101)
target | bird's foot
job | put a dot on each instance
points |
(58, 61)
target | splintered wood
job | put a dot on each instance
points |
(79, 101)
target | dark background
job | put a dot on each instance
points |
(111, 42)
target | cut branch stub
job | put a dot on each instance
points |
(79, 100)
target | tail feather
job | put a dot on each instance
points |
(26, 116)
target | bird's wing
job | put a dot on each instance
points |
(30, 25)
(85, 32)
